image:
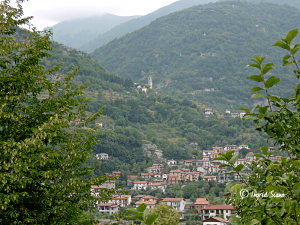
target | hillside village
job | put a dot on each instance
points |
(181, 172)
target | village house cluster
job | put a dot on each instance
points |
(207, 212)
(156, 177)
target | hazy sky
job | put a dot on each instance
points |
(50, 12)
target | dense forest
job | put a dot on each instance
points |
(170, 123)
(90, 70)
(135, 24)
(202, 52)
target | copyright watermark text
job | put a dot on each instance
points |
(245, 193)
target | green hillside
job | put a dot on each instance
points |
(90, 70)
(77, 32)
(294, 3)
(204, 47)
(132, 118)
(138, 23)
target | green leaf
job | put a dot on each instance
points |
(297, 185)
(142, 207)
(279, 131)
(272, 81)
(258, 155)
(263, 110)
(138, 217)
(291, 35)
(298, 98)
(230, 172)
(287, 63)
(258, 95)
(254, 65)
(151, 219)
(238, 168)
(270, 188)
(132, 211)
(275, 98)
(245, 109)
(294, 50)
(232, 183)
(220, 158)
(224, 165)
(253, 222)
(269, 179)
(257, 78)
(235, 220)
(266, 69)
(286, 57)
(228, 155)
(260, 59)
(281, 45)
(256, 89)
(234, 159)
(264, 150)
(145, 213)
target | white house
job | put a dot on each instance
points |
(139, 185)
(101, 156)
(109, 184)
(240, 161)
(172, 162)
(250, 157)
(244, 146)
(154, 186)
(175, 173)
(242, 114)
(152, 169)
(110, 208)
(165, 176)
(218, 210)
(121, 200)
(149, 204)
(209, 178)
(176, 203)
(229, 147)
(207, 152)
(215, 221)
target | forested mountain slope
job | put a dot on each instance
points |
(132, 118)
(138, 23)
(294, 3)
(77, 32)
(90, 70)
(205, 47)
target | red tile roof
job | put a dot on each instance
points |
(172, 199)
(220, 207)
(146, 202)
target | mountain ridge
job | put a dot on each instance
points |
(75, 32)
(138, 23)
(204, 47)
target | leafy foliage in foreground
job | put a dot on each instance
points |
(40, 155)
(270, 195)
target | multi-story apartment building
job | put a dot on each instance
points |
(201, 203)
(110, 208)
(139, 185)
(176, 203)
